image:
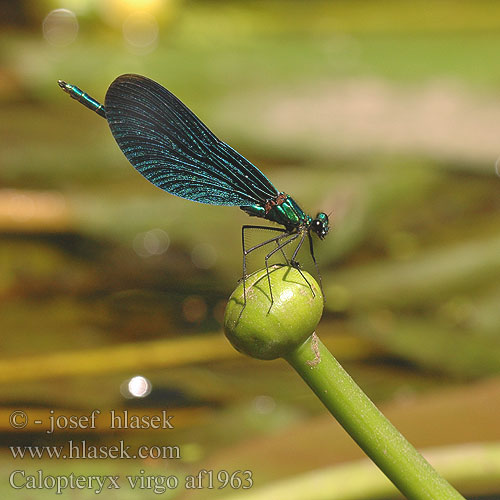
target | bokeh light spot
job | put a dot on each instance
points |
(60, 27)
(140, 31)
(218, 311)
(136, 387)
(153, 242)
(204, 256)
(194, 309)
(264, 404)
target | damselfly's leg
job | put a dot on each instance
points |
(268, 256)
(311, 250)
(249, 250)
(283, 253)
(296, 251)
(246, 252)
(296, 264)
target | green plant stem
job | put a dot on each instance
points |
(378, 438)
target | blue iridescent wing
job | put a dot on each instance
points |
(174, 150)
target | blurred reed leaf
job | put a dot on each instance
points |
(468, 466)
(428, 278)
(124, 357)
(433, 345)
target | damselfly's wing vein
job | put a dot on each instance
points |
(175, 151)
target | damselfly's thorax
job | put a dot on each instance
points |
(284, 210)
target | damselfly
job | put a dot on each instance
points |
(174, 150)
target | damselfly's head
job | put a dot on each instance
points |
(320, 225)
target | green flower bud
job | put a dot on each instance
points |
(266, 330)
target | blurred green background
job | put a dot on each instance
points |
(386, 113)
